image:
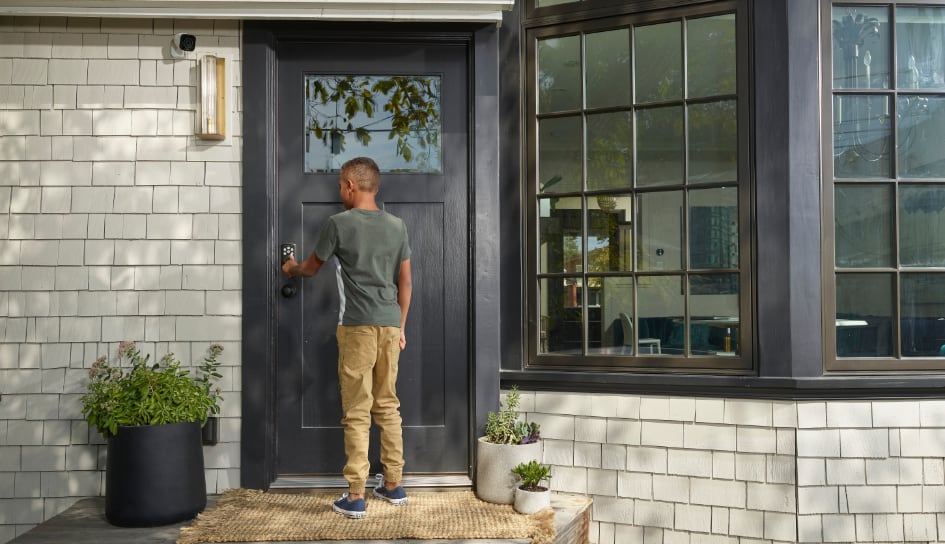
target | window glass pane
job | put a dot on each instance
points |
(920, 47)
(862, 136)
(713, 228)
(559, 155)
(394, 119)
(608, 68)
(609, 233)
(923, 315)
(713, 305)
(710, 55)
(660, 302)
(609, 141)
(660, 154)
(543, 3)
(658, 54)
(864, 323)
(559, 74)
(922, 225)
(713, 141)
(609, 314)
(659, 230)
(861, 43)
(863, 223)
(561, 247)
(561, 328)
(921, 133)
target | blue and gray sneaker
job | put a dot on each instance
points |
(396, 496)
(353, 509)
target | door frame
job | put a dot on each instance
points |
(261, 276)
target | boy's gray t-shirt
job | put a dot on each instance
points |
(370, 246)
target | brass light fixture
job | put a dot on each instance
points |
(211, 110)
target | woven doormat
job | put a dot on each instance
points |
(245, 515)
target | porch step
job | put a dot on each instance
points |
(84, 523)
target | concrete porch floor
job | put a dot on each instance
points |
(84, 523)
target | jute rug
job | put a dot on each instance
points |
(245, 515)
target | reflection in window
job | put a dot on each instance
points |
(394, 119)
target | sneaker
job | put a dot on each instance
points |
(396, 496)
(353, 509)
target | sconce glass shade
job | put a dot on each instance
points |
(211, 110)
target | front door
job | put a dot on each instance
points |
(404, 103)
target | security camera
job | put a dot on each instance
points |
(182, 43)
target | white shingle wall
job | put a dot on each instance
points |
(115, 224)
(693, 470)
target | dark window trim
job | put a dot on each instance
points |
(590, 9)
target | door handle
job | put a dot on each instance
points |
(288, 290)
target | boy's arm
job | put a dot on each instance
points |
(308, 268)
(404, 290)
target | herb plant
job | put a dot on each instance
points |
(532, 473)
(505, 428)
(144, 394)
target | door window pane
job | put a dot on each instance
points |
(660, 154)
(559, 155)
(710, 56)
(658, 55)
(713, 141)
(921, 133)
(561, 245)
(861, 44)
(608, 68)
(713, 228)
(609, 307)
(609, 233)
(862, 136)
(659, 230)
(559, 74)
(864, 323)
(923, 315)
(863, 225)
(609, 141)
(394, 119)
(561, 328)
(715, 323)
(922, 225)
(661, 307)
(920, 47)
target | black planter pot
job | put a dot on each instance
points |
(154, 475)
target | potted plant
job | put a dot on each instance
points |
(151, 415)
(530, 495)
(507, 442)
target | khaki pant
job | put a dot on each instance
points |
(367, 373)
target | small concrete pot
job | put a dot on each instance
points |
(495, 481)
(529, 502)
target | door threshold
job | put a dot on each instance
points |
(337, 482)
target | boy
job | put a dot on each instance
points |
(373, 272)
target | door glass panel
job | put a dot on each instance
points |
(659, 230)
(609, 315)
(920, 136)
(862, 136)
(864, 323)
(713, 228)
(661, 304)
(609, 141)
(609, 233)
(713, 141)
(923, 315)
(922, 225)
(920, 47)
(863, 223)
(861, 45)
(559, 74)
(608, 68)
(393, 119)
(561, 248)
(710, 56)
(660, 153)
(559, 155)
(658, 56)
(715, 324)
(561, 314)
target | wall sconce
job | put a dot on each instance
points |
(211, 111)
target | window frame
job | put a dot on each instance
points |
(744, 362)
(896, 362)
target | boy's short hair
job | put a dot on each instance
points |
(364, 172)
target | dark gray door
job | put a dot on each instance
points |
(433, 380)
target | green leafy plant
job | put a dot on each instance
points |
(150, 394)
(532, 473)
(505, 428)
